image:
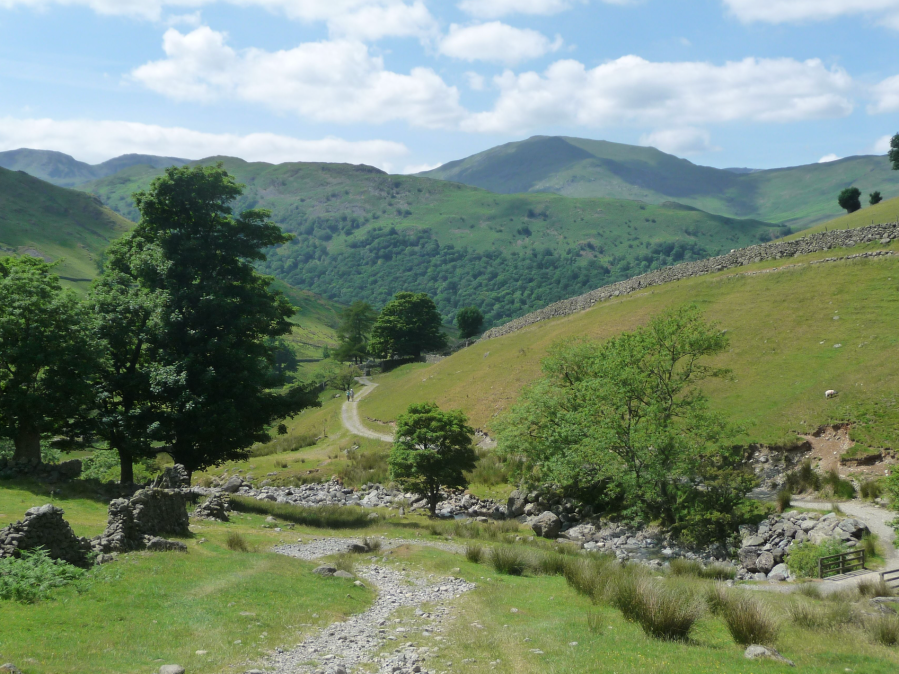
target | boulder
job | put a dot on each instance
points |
(754, 542)
(157, 544)
(748, 557)
(516, 504)
(547, 525)
(764, 562)
(780, 570)
(233, 485)
(343, 574)
(756, 652)
(171, 669)
(325, 570)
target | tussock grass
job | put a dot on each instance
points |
(283, 444)
(871, 489)
(509, 559)
(664, 612)
(550, 563)
(237, 543)
(829, 616)
(373, 544)
(691, 567)
(325, 517)
(474, 553)
(749, 621)
(717, 597)
(783, 500)
(345, 561)
(884, 630)
(875, 587)
(810, 590)
(595, 623)
(493, 531)
(869, 545)
(685, 567)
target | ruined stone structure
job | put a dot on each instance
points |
(44, 527)
(149, 513)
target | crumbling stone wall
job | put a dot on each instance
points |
(148, 514)
(44, 527)
(777, 250)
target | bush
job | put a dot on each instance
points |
(49, 454)
(803, 559)
(884, 630)
(663, 612)
(803, 479)
(474, 553)
(490, 470)
(237, 542)
(34, 576)
(325, 517)
(833, 485)
(508, 559)
(749, 621)
(871, 489)
(783, 500)
(104, 465)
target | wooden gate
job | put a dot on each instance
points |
(834, 565)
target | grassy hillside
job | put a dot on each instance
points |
(576, 167)
(65, 171)
(362, 234)
(784, 329)
(885, 211)
(39, 219)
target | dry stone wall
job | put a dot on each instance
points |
(44, 527)
(777, 250)
(150, 513)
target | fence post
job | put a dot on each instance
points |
(820, 568)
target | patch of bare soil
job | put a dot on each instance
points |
(829, 443)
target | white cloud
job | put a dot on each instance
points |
(683, 141)
(358, 19)
(796, 11)
(493, 9)
(633, 91)
(96, 141)
(881, 145)
(475, 81)
(826, 159)
(496, 41)
(886, 96)
(334, 81)
(418, 168)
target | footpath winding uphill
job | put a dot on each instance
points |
(375, 637)
(350, 414)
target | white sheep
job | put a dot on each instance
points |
(830, 393)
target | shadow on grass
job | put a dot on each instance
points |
(91, 490)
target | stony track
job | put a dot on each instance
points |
(376, 640)
(349, 415)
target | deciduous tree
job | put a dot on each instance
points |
(408, 325)
(48, 357)
(469, 321)
(875, 198)
(433, 449)
(850, 199)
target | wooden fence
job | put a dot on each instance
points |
(891, 578)
(833, 565)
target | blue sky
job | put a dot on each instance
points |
(410, 84)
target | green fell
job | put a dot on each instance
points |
(363, 234)
(576, 167)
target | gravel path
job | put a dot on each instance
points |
(350, 414)
(375, 638)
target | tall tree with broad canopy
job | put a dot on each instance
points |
(624, 424)
(408, 325)
(893, 154)
(356, 322)
(48, 357)
(469, 321)
(850, 199)
(129, 317)
(213, 371)
(432, 449)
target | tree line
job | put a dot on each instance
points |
(174, 348)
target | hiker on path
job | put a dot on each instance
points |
(352, 395)
(348, 395)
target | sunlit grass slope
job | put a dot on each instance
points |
(784, 329)
(40, 219)
(885, 211)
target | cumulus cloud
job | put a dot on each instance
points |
(496, 41)
(357, 19)
(634, 91)
(684, 141)
(96, 141)
(354, 87)
(794, 11)
(419, 168)
(826, 159)
(881, 145)
(886, 96)
(493, 9)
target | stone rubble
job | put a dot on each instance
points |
(44, 527)
(765, 548)
(216, 507)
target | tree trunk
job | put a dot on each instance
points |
(28, 446)
(127, 474)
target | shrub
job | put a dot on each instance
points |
(803, 479)
(328, 517)
(490, 470)
(508, 559)
(833, 485)
(34, 576)
(237, 542)
(474, 553)
(783, 500)
(749, 621)
(884, 629)
(803, 559)
(663, 612)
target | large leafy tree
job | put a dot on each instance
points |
(850, 199)
(624, 422)
(213, 373)
(129, 318)
(432, 449)
(408, 325)
(469, 321)
(48, 357)
(356, 322)
(894, 152)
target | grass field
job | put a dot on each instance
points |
(784, 329)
